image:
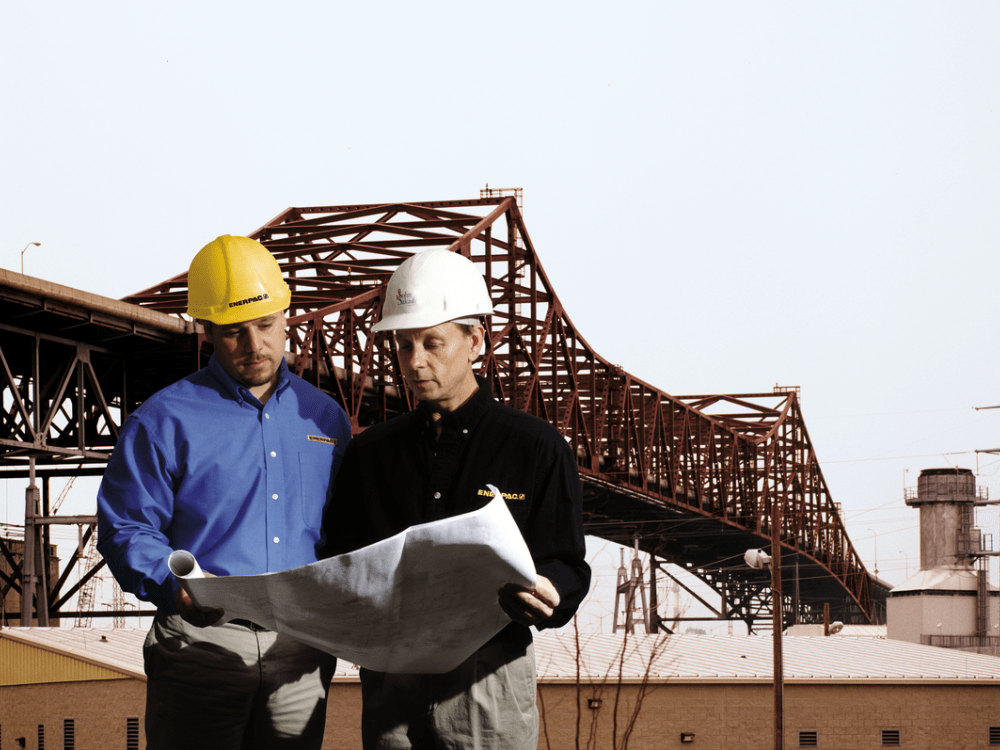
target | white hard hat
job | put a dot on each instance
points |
(433, 287)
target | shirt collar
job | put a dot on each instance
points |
(465, 417)
(240, 392)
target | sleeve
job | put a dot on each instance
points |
(345, 519)
(556, 538)
(135, 504)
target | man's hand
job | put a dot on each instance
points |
(529, 606)
(189, 612)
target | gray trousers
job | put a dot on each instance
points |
(232, 686)
(486, 703)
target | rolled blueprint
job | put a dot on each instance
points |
(184, 566)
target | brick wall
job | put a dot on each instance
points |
(99, 709)
(721, 716)
(741, 717)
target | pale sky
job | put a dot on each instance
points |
(724, 195)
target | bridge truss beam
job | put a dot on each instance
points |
(694, 478)
(649, 460)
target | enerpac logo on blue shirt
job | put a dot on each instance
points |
(321, 439)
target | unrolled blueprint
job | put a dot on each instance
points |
(421, 601)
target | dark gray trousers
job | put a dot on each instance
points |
(232, 686)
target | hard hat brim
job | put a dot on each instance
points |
(417, 320)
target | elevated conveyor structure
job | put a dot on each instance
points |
(693, 478)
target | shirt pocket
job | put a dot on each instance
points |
(519, 506)
(315, 472)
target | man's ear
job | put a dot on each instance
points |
(478, 335)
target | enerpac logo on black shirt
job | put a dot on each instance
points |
(248, 300)
(506, 495)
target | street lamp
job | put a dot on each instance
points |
(36, 244)
(876, 549)
(757, 559)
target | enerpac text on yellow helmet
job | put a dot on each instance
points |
(235, 279)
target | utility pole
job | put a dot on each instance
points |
(777, 624)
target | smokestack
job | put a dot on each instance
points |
(946, 499)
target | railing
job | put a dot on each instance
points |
(962, 642)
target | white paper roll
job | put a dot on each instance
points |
(184, 566)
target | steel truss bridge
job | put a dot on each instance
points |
(693, 480)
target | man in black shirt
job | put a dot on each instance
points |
(435, 462)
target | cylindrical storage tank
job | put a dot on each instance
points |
(944, 497)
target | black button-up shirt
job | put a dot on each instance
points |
(401, 473)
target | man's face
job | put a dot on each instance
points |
(437, 363)
(251, 352)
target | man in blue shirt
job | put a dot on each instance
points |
(234, 464)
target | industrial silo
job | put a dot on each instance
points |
(949, 601)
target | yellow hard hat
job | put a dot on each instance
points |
(235, 279)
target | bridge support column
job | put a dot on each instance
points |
(33, 584)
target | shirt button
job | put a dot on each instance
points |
(276, 540)
(267, 416)
(274, 496)
(465, 431)
(273, 454)
(437, 495)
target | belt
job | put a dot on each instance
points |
(247, 624)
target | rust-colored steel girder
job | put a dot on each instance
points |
(694, 478)
(72, 366)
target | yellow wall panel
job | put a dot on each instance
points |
(21, 664)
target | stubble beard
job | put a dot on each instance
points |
(257, 377)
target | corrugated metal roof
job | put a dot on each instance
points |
(734, 658)
(869, 631)
(940, 579)
(687, 658)
(116, 649)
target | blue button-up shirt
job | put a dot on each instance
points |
(203, 466)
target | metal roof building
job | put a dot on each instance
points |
(679, 658)
(717, 658)
(595, 690)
